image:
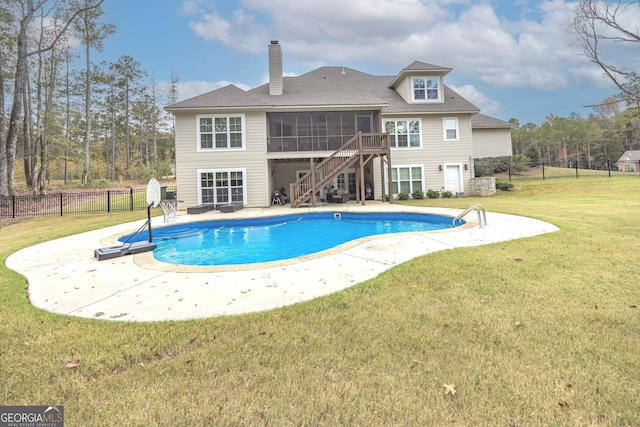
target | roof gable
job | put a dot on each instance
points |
(630, 156)
(417, 68)
(227, 96)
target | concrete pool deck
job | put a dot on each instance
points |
(64, 277)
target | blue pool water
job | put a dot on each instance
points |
(247, 241)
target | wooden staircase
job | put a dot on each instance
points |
(360, 148)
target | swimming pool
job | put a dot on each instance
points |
(257, 240)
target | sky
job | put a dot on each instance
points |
(512, 59)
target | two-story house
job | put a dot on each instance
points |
(331, 129)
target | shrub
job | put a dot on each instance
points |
(433, 194)
(488, 166)
(519, 163)
(418, 194)
(504, 185)
(533, 153)
(99, 183)
(403, 196)
(447, 194)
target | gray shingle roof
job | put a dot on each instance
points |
(328, 87)
(227, 96)
(630, 156)
(423, 66)
(324, 86)
(482, 121)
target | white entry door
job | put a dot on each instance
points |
(453, 178)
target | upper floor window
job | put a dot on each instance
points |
(425, 89)
(450, 128)
(220, 132)
(403, 133)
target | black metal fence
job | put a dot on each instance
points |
(76, 203)
(516, 171)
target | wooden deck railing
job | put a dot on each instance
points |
(325, 171)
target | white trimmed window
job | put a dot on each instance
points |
(407, 179)
(450, 129)
(222, 186)
(221, 132)
(405, 133)
(426, 89)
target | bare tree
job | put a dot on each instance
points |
(173, 98)
(600, 24)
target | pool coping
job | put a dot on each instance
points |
(64, 277)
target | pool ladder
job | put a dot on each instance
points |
(169, 210)
(482, 215)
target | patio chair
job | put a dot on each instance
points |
(275, 198)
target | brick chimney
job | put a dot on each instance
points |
(275, 68)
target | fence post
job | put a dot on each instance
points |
(609, 167)
(131, 197)
(61, 204)
(13, 206)
(509, 172)
(543, 171)
(108, 201)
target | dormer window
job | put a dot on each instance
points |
(425, 89)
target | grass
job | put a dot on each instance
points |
(538, 331)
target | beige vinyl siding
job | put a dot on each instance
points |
(404, 89)
(254, 159)
(189, 160)
(435, 151)
(491, 142)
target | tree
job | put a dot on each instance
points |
(128, 74)
(22, 14)
(599, 25)
(92, 34)
(523, 137)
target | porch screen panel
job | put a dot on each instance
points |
(275, 124)
(348, 124)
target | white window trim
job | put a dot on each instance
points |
(426, 100)
(444, 129)
(215, 195)
(213, 117)
(402, 119)
(422, 177)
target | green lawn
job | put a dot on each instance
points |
(539, 331)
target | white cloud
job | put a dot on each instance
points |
(479, 99)
(529, 49)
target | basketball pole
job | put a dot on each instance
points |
(149, 222)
